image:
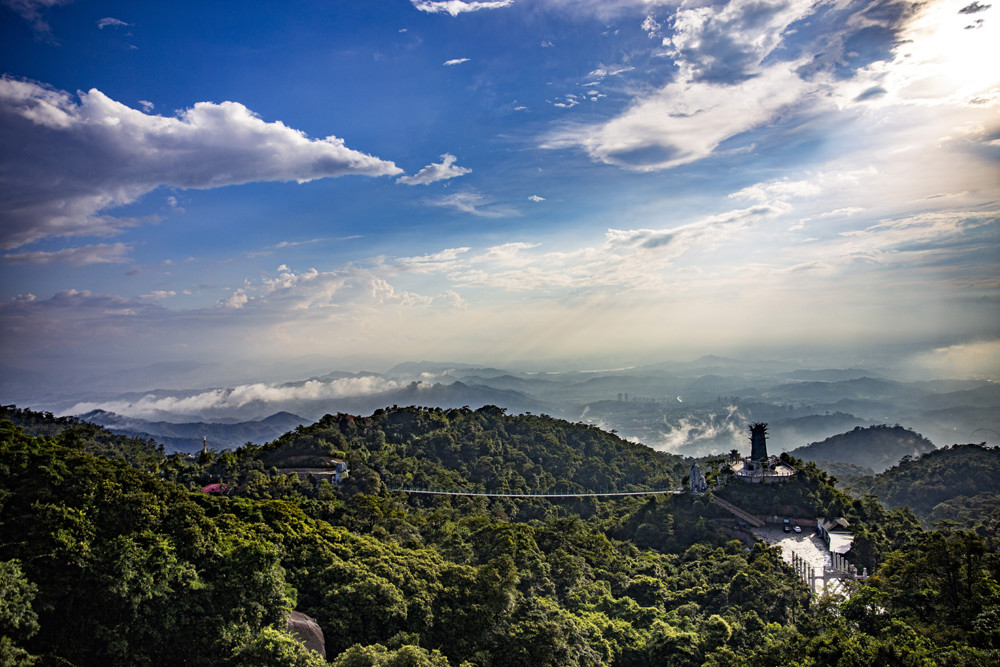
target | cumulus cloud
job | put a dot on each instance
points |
(746, 65)
(728, 46)
(651, 27)
(76, 160)
(456, 7)
(313, 290)
(455, 61)
(433, 173)
(536, 198)
(102, 253)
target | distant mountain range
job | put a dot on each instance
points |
(694, 408)
(188, 437)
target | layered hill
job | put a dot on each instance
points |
(959, 484)
(484, 448)
(875, 447)
(189, 436)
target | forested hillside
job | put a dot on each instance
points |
(875, 447)
(959, 484)
(104, 563)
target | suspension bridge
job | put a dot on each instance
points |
(534, 494)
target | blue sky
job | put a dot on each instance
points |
(496, 182)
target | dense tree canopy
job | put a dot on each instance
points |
(107, 561)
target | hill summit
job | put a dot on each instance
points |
(876, 447)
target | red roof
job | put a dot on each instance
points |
(218, 487)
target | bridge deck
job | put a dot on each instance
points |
(546, 494)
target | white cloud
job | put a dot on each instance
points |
(777, 191)
(651, 27)
(472, 202)
(158, 295)
(740, 67)
(74, 161)
(437, 261)
(292, 244)
(146, 105)
(567, 102)
(102, 253)
(456, 61)
(313, 290)
(110, 22)
(456, 7)
(846, 211)
(433, 173)
(536, 198)
(684, 121)
(609, 70)
(152, 406)
(918, 230)
(728, 44)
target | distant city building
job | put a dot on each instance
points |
(759, 468)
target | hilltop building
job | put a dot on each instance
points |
(759, 468)
(330, 469)
(835, 532)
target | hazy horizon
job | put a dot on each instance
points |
(537, 184)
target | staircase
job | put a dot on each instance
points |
(737, 512)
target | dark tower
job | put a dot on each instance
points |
(758, 441)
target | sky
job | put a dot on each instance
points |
(511, 181)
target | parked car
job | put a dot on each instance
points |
(797, 529)
(787, 529)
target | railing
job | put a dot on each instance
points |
(534, 494)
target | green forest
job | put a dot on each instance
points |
(951, 486)
(111, 555)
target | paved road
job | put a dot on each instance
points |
(807, 545)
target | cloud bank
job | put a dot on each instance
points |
(65, 163)
(151, 406)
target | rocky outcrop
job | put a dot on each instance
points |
(307, 631)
